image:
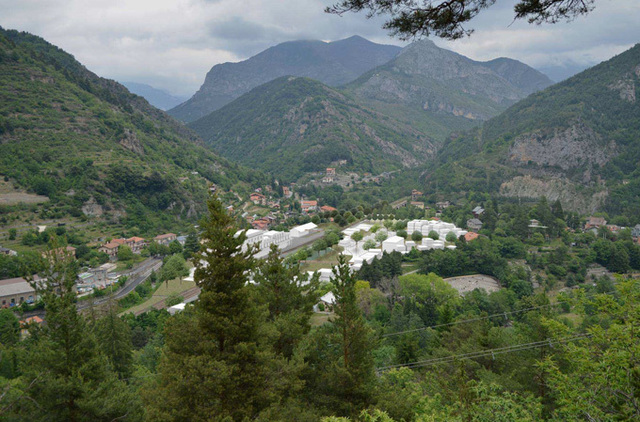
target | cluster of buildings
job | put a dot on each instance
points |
(263, 239)
(395, 243)
(97, 278)
(137, 244)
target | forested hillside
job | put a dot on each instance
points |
(82, 140)
(295, 125)
(578, 141)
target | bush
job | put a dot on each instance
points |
(173, 299)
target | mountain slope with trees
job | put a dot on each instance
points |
(82, 140)
(294, 125)
(333, 63)
(445, 88)
(577, 141)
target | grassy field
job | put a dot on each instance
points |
(319, 319)
(325, 261)
(173, 286)
(410, 267)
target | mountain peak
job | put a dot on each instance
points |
(334, 63)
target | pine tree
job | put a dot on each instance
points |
(65, 376)
(114, 339)
(213, 365)
(191, 244)
(289, 296)
(356, 369)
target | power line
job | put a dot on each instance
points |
(502, 314)
(484, 353)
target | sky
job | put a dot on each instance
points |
(172, 44)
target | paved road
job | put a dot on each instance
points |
(300, 242)
(136, 276)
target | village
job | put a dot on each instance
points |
(295, 224)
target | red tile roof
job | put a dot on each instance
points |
(165, 236)
(470, 236)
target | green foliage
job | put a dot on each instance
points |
(9, 328)
(125, 253)
(72, 136)
(173, 267)
(64, 374)
(173, 299)
(328, 126)
(222, 337)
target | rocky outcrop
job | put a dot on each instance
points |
(130, 141)
(91, 208)
(576, 147)
(626, 87)
(573, 197)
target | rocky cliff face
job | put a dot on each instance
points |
(332, 63)
(577, 141)
(577, 147)
(573, 197)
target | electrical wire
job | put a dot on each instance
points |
(465, 321)
(484, 353)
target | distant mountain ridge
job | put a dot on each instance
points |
(334, 63)
(293, 125)
(438, 81)
(156, 97)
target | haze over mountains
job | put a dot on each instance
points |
(441, 82)
(157, 97)
(334, 63)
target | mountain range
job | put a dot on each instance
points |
(293, 125)
(440, 91)
(333, 63)
(156, 97)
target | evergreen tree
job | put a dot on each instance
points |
(289, 296)
(66, 377)
(9, 328)
(213, 367)
(356, 363)
(191, 244)
(114, 339)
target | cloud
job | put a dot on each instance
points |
(172, 44)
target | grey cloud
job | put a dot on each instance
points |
(171, 44)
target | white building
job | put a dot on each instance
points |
(303, 230)
(394, 244)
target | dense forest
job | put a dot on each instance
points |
(395, 347)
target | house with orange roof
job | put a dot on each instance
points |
(27, 322)
(309, 206)
(258, 198)
(327, 208)
(471, 236)
(165, 239)
(111, 249)
(136, 244)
